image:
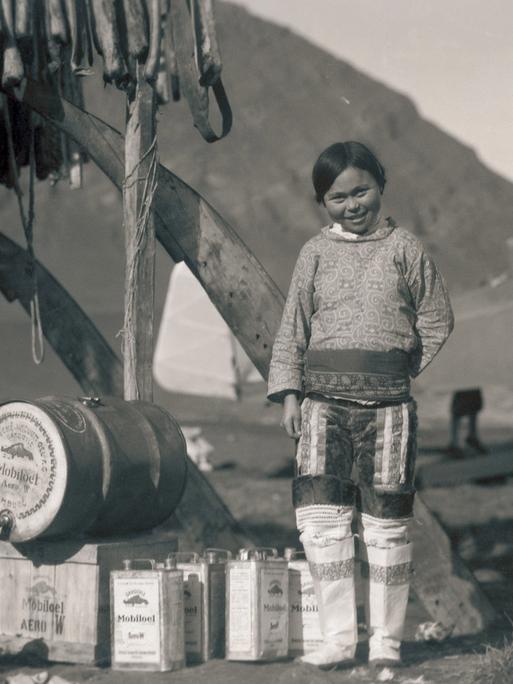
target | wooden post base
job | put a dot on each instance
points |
(54, 596)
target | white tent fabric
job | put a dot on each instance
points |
(196, 353)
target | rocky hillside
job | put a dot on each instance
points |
(290, 99)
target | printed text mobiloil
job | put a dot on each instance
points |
(147, 617)
(304, 626)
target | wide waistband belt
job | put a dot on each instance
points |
(394, 363)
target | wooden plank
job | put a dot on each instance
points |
(188, 227)
(442, 581)
(67, 328)
(39, 588)
(450, 473)
(138, 188)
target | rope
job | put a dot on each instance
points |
(27, 221)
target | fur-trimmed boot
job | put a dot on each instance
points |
(388, 572)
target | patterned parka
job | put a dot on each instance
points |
(364, 313)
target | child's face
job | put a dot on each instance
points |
(354, 201)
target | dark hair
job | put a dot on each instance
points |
(337, 158)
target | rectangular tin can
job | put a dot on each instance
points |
(257, 606)
(147, 617)
(204, 603)
(304, 625)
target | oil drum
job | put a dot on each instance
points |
(98, 465)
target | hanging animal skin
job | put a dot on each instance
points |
(13, 70)
(195, 93)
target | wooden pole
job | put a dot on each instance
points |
(138, 191)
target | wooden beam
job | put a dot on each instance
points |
(188, 227)
(442, 581)
(76, 340)
(139, 188)
(202, 518)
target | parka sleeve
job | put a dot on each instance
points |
(434, 316)
(287, 361)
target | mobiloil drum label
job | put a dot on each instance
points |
(136, 620)
(33, 467)
(274, 606)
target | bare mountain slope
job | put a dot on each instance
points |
(290, 99)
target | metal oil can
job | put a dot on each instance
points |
(204, 603)
(257, 606)
(304, 625)
(147, 625)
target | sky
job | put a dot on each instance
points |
(453, 58)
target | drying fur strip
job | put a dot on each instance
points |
(24, 19)
(136, 29)
(13, 70)
(208, 57)
(52, 35)
(115, 69)
(27, 220)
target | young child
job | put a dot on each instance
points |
(366, 310)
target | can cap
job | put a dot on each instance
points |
(290, 554)
(217, 555)
(185, 556)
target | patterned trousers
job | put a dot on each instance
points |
(379, 444)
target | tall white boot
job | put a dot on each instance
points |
(389, 584)
(386, 568)
(332, 562)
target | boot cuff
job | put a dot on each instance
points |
(311, 490)
(386, 504)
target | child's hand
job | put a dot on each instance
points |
(291, 419)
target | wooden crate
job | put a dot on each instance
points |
(54, 596)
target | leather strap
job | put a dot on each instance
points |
(195, 93)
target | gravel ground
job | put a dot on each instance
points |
(252, 459)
